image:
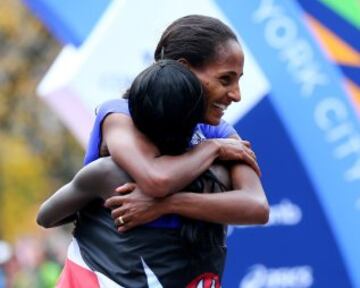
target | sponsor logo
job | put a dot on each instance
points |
(205, 280)
(260, 276)
(284, 213)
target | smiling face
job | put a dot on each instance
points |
(220, 80)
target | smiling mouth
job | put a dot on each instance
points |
(222, 107)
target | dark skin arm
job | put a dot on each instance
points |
(60, 208)
(99, 180)
(143, 161)
(96, 180)
(245, 203)
(158, 176)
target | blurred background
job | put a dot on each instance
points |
(37, 153)
(300, 108)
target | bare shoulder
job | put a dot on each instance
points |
(105, 167)
(100, 177)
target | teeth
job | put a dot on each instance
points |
(220, 106)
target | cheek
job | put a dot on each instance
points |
(214, 94)
(206, 86)
(209, 91)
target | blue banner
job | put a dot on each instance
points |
(305, 132)
(314, 109)
(67, 19)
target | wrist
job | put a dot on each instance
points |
(163, 206)
(175, 203)
(214, 145)
(167, 205)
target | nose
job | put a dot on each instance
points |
(234, 94)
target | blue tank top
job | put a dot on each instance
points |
(202, 132)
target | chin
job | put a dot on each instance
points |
(212, 121)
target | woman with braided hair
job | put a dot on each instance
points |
(209, 49)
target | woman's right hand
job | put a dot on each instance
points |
(232, 149)
(133, 206)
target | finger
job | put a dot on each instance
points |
(116, 213)
(114, 201)
(250, 152)
(248, 159)
(246, 143)
(121, 221)
(127, 226)
(257, 169)
(126, 188)
(248, 156)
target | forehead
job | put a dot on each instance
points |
(229, 57)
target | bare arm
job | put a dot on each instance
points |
(96, 180)
(160, 176)
(245, 204)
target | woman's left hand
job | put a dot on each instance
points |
(132, 207)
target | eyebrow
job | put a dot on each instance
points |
(233, 73)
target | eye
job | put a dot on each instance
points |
(225, 80)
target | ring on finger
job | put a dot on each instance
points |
(121, 220)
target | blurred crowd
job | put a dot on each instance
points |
(33, 261)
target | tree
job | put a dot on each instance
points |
(37, 153)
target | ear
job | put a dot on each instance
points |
(184, 62)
